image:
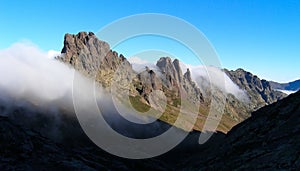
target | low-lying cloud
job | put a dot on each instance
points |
(27, 72)
(213, 76)
(206, 77)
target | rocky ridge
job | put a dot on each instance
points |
(259, 91)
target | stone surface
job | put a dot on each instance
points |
(177, 82)
(93, 57)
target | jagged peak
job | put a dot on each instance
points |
(187, 75)
(164, 60)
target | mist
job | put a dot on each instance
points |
(29, 74)
(36, 92)
(206, 77)
(210, 76)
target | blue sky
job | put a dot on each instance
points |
(260, 36)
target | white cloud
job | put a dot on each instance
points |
(26, 72)
(52, 53)
(204, 76)
(139, 64)
(216, 77)
(137, 60)
(288, 92)
(31, 80)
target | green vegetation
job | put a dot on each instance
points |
(177, 102)
(138, 104)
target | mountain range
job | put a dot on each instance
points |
(94, 58)
(291, 86)
(259, 128)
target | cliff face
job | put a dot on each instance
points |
(93, 57)
(85, 52)
(174, 80)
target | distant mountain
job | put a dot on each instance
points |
(291, 86)
(268, 140)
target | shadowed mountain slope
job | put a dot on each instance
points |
(269, 139)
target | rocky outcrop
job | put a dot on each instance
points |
(259, 91)
(85, 52)
(93, 57)
(174, 80)
(171, 76)
(146, 82)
